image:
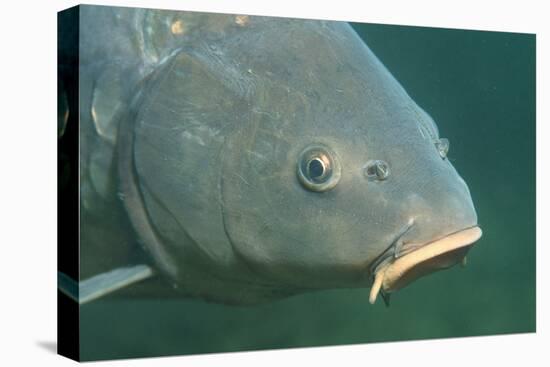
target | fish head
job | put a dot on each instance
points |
(339, 178)
(293, 160)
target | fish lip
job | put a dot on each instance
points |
(388, 273)
(409, 247)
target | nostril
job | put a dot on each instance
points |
(377, 170)
(442, 146)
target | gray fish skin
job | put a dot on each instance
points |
(193, 125)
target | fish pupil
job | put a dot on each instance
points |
(316, 168)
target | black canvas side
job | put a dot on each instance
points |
(67, 178)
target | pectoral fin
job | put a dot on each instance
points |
(102, 284)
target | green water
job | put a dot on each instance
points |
(480, 89)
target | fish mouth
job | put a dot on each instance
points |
(436, 255)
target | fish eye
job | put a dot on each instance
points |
(318, 168)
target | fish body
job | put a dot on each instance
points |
(255, 158)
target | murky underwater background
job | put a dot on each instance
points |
(480, 89)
